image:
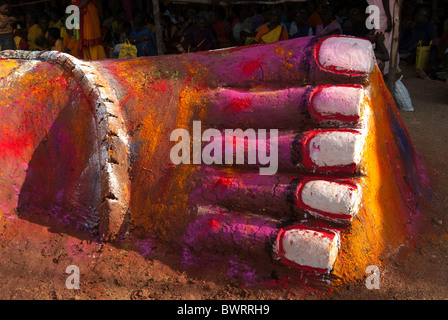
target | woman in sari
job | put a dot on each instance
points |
(299, 28)
(36, 32)
(90, 40)
(142, 37)
(199, 37)
(329, 24)
(272, 31)
(71, 44)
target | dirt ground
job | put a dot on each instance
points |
(33, 258)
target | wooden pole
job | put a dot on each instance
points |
(159, 36)
(394, 50)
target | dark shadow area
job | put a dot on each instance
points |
(62, 186)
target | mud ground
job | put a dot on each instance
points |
(33, 257)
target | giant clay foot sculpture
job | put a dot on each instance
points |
(320, 180)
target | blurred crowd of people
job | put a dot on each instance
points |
(108, 25)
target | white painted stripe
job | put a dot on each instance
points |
(338, 100)
(310, 248)
(336, 148)
(331, 197)
(346, 54)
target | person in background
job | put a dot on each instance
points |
(354, 15)
(377, 40)
(386, 23)
(241, 15)
(341, 14)
(91, 44)
(126, 35)
(127, 31)
(6, 29)
(63, 28)
(150, 24)
(237, 11)
(54, 40)
(19, 14)
(329, 24)
(107, 36)
(30, 20)
(142, 38)
(54, 20)
(217, 18)
(236, 31)
(256, 16)
(314, 18)
(42, 43)
(272, 31)
(108, 19)
(197, 37)
(247, 34)
(282, 11)
(20, 39)
(71, 45)
(171, 11)
(299, 27)
(44, 25)
(418, 29)
(32, 30)
(38, 33)
(118, 25)
(169, 32)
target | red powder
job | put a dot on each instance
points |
(223, 182)
(161, 86)
(249, 67)
(14, 145)
(213, 223)
(239, 104)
